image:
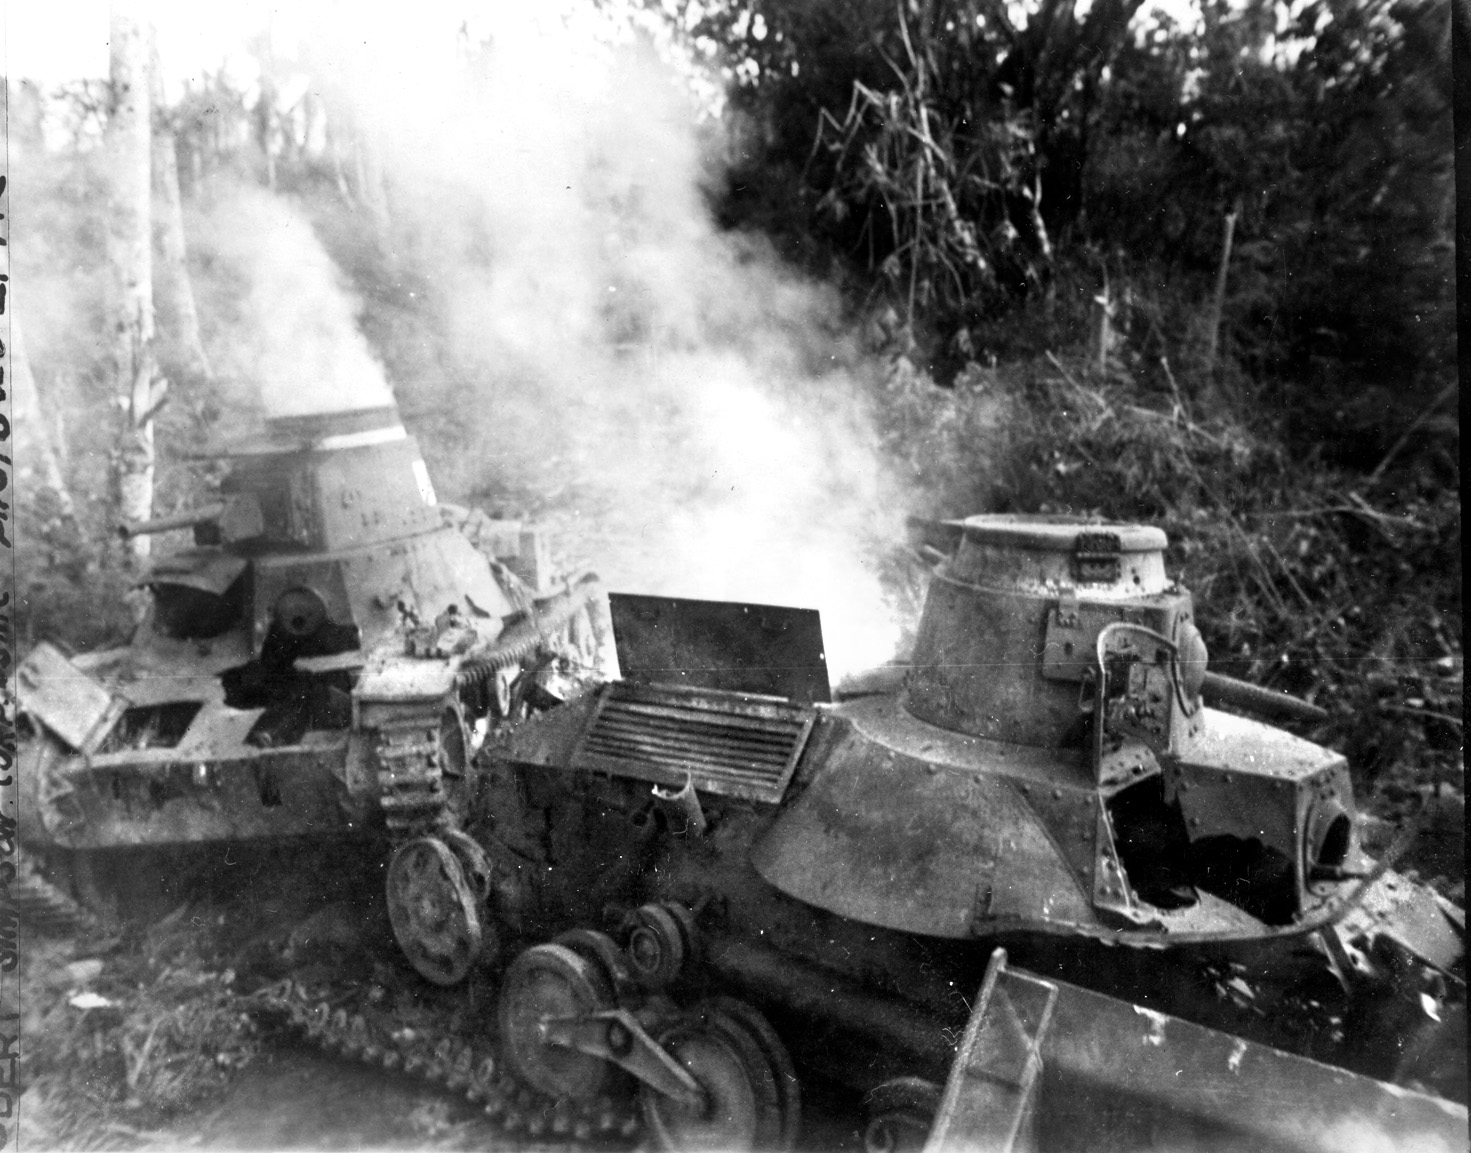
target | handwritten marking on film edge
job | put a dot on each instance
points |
(9, 822)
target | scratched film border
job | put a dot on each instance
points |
(9, 802)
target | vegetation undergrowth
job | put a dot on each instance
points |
(125, 1033)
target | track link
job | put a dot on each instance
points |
(470, 1071)
(43, 906)
(410, 781)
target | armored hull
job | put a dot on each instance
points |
(1046, 776)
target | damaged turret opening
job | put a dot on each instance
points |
(1165, 866)
(1330, 836)
(1153, 845)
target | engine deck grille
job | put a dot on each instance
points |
(726, 743)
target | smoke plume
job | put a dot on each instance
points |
(696, 405)
(289, 328)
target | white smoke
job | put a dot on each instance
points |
(697, 400)
(292, 331)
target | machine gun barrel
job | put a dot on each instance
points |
(1218, 689)
(198, 516)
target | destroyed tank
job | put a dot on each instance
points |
(1033, 890)
(321, 664)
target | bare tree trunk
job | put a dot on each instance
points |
(173, 293)
(1103, 335)
(265, 128)
(131, 253)
(34, 428)
(1218, 302)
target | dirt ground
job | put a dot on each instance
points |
(106, 1067)
(138, 1033)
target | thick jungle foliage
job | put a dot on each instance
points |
(952, 154)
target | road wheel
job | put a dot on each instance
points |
(743, 1107)
(547, 982)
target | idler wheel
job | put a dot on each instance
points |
(660, 943)
(743, 1107)
(547, 982)
(901, 1113)
(433, 911)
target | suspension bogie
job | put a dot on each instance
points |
(583, 1016)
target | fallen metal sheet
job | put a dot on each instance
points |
(66, 700)
(148, 691)
(990, 1097)
(1119, 1077)
(405, 679)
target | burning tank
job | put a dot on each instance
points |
(725, 887)
(322, 663)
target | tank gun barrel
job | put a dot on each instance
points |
(198, 516)
(1219, 689)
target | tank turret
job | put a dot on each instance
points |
(1053, 713)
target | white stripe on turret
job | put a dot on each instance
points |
(362, 439)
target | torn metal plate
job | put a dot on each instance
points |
(65, 699)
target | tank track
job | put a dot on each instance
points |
(410, 783)
(44, 907)
(339, 1025)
